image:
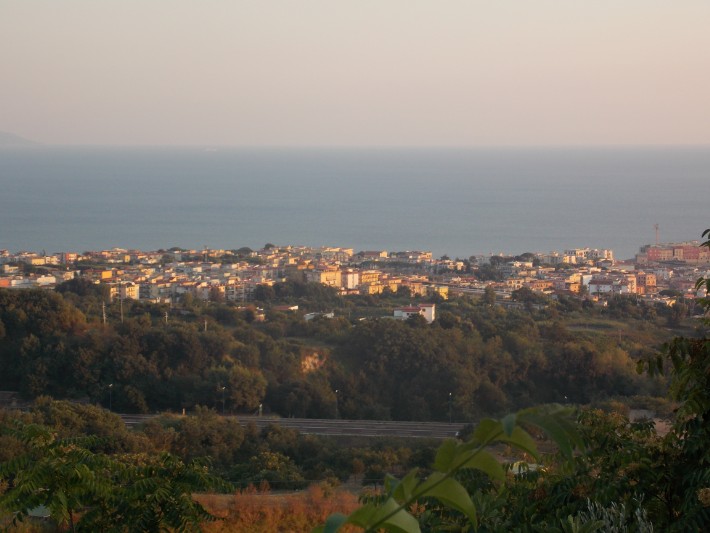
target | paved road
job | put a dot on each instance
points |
(364, 428)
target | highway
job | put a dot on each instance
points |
(362, 428)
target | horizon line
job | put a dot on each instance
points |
(37, 144)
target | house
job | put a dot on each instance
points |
(428, 311)
(350, 279)
(329, 276)
(607, 285)
(373, 255)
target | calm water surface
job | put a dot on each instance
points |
(450, 201)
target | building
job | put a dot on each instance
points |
(373, 255)
(686, 252)
(428, 311)
(350, 279)
(124, 290)
(608, 285)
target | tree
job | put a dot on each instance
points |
(208, 435)
(84, 287)
(685, 454)
(393, 511)
(489, 295)
(247, 388)
(69, 420)
(88, 491)
(704, 283)
(216, 295)
(275, 468)
(264, 293)
(403, 291)
(679, 311)
(628, 479)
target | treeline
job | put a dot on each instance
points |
(90, 473)
(280, 458)
(476, 359)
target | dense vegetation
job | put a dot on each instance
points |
(69, 457)
(624, 477)
(475, 359)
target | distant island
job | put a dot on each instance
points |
(10, 139)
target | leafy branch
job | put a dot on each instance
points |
(704, 283)
(111, 493)
(453, 457)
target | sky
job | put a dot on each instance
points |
(358, 73)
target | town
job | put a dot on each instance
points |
(658, 273)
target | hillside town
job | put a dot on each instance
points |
(659, 272)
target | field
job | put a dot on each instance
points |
(263, 511)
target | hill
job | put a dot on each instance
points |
(10, 139)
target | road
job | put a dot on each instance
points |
(362, 428)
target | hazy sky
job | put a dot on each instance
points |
(358, 72)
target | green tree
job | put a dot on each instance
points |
(686, 455)
(264, 293)
(276, 469)
(84, 287)
(206, 434)
(88, 491)
(78, 420)
(442, 491)
(489, 295)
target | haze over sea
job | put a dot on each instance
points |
(450, 201)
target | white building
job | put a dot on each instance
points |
(350, 279)
(428, 311)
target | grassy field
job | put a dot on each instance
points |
(262, 511)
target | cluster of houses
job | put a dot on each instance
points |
(212, 274)
(219, 274)
(596, 274)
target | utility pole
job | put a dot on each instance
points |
(223, 389)
(103, 312)
(110, 397)
(337, 415)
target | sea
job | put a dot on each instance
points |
(450, 201)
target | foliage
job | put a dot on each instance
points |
(78, 420)
(394, 511)
(703, 284)
(491, 359)
(83, 287)
(272, 468)
(685, 453)
(614, 519)
(630, 478)
(89, 491)
(205, 434)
